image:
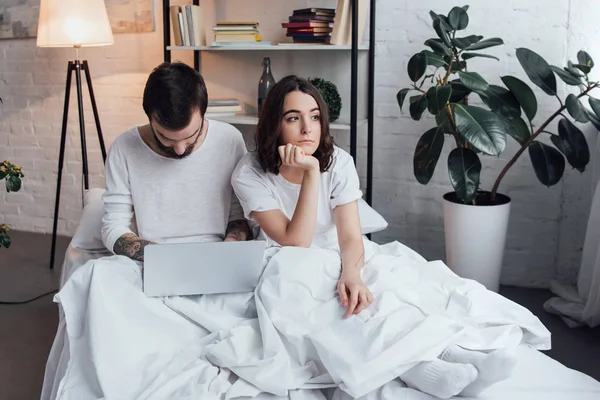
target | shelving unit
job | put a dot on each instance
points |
(245, 119)
(274, 47)
(354, 48)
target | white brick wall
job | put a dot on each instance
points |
(547, 225)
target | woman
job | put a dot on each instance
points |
(303, 191)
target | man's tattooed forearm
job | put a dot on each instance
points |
(129, 245)
(238, 230)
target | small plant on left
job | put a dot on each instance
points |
(12, 174)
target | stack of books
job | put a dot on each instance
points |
(310, 25)
(222, 108)
(236, 33)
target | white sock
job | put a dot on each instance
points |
(440, 378)
(491, 367)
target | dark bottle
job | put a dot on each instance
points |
(266, 83)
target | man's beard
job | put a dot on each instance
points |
(170, 152)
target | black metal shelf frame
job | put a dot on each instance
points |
(353, 84)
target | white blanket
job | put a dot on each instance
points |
(283, 340)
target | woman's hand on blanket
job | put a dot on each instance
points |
(354, 294)
(295, 157)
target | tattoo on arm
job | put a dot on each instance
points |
(129, 245)
(238, 230)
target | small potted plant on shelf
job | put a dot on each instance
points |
(476, 220)
(12, 174)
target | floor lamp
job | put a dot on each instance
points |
(77, 24)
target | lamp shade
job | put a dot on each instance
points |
(69, 23)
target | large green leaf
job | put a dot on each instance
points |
(501, 101)
(566, 77)
(574, 145)
(467, 56)
(523, 94)
(441, 32)
(595, 104)
(417, 65)
(593, 118)
(435, 59)
(484, 44)
(571, 68)
(584, 58)
(586, 69)
(466, 41)
(548, 163)
(473, 81)
(4, 239)
(576, 109)
(482, 128)
(418, 104)
(518, 129)
(401, 96)
(13, 184)
(3, 173)
(438, 47)
(427, 154)
(538, 70)
(437, 97)
(458, 18)
(459, 91)
(443, 122)
(464, 169)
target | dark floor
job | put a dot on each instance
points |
(27, 330)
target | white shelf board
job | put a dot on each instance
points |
(243, 119)
(280, 47)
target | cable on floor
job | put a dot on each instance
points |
(30, 300)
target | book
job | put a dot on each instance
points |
(311, 18)
(315, 30)
(223, 102)
(240, 44)
(223, 109)
(177, 33)
(245, 23)
(305, 24)
(308, 34)
(317, 11)
(219, 37)
(235, 28)
(342, 26)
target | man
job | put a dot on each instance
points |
(174, 172)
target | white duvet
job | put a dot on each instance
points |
(288, 339)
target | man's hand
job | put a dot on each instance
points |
(237, 231)
(353, 292)
(129, 245)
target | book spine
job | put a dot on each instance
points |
(182, 29)
(190, 24)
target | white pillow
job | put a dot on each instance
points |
(370, 220)
(88, 234)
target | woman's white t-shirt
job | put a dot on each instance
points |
(264, 191)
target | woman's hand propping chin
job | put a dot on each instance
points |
(294, 156)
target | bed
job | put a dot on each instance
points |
(536, 375)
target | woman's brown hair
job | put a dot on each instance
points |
(268, 131)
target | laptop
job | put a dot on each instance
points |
(180, 269)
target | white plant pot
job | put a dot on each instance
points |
(476, 238)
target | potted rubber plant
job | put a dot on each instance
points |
(12, 174)
(476, 220)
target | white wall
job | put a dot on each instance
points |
(547, 225)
